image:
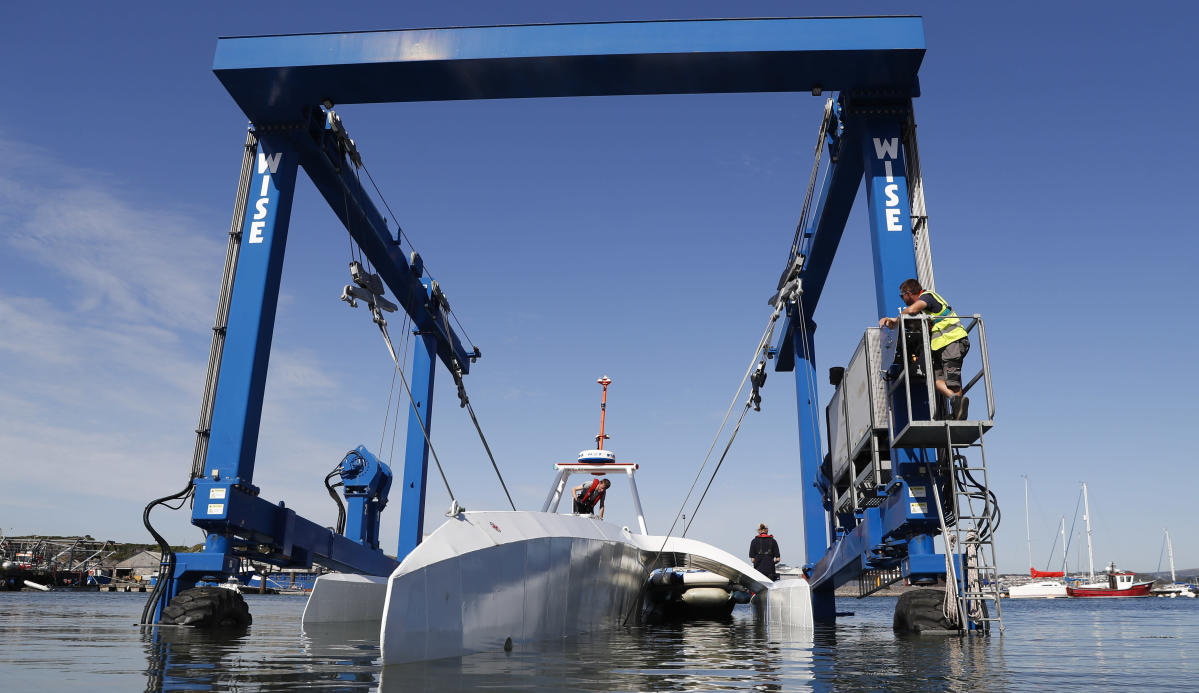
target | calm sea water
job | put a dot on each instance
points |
(88, 642)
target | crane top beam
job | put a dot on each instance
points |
(273, 78)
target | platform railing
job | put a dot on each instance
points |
(975, 330)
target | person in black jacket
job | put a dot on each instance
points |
(764, 552)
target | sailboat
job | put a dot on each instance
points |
(1118, 583)
(1041, 589)
(1175, 588)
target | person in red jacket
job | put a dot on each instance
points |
(587, 496)
(764, 552)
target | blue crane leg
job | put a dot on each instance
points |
(816, 524)
(890, 216)
(237, 412)
(895, 261)
(416, 453)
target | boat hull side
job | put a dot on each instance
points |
(345, 598)
(1141, 590)
(789, 606)
(509, 594)
(1038, 590)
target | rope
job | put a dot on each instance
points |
(765, 339)
(387, 411)
(809, 373)
(704, 495)
(807, 203)
(395, 422)
(487, 447)
(412, 403)
(949, 608)
(402, 237)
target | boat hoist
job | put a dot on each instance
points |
(895, 475)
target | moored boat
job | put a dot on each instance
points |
(1119, 584)
(1042, 589)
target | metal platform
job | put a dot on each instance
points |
(923, 434)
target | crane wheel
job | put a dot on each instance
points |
(207, 607)
(920, 611)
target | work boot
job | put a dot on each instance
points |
(961, 408)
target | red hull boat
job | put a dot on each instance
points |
(1119, 584)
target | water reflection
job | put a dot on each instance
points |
(737, 653)
(186, 658)
(868, 656)
(267, 656)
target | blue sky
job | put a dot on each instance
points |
(633, 236)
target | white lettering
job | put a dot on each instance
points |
(256, 228)
(887, 169)
(889, 190)
(266, 166)
(892, 220)
(890, 148)
(273, 162)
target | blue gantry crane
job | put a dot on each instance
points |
(860, 525)
(898, 472)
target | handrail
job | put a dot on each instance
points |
(970, 323)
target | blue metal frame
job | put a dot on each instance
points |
(279, 82)
(865, 142)
(416, 454)
(274, 78)
(233, 443)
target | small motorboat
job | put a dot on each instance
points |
(1119, 584)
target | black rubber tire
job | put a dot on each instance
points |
(207, 607)
(921, 610)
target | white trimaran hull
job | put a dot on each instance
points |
(487, 580)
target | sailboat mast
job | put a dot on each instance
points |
(1086, 515)
(1170, 553)
(1062, 528)
(1027, 527)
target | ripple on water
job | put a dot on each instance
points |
(88, 641)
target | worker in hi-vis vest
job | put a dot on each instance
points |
(949, 342)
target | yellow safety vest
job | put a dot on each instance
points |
(945, 328)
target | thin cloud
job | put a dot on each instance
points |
(107, 307)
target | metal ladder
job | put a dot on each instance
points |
(972, 534)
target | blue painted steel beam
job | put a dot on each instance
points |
(816, 525)
(332, 175)
(293, 541)
(881, 148)
(273, 78)
(237, 408)
(416, 453)
(822, 237)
